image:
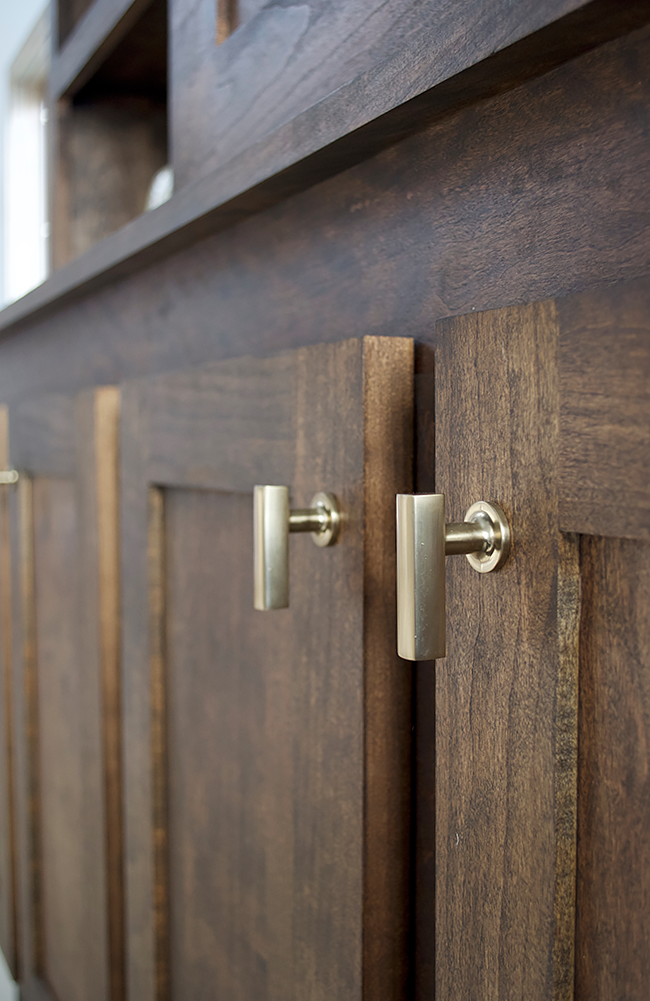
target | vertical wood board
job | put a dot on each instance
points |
(613, 926)
(506, 695)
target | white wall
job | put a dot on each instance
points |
(16, 21)
(8, 989)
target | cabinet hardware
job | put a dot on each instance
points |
(272, 522)
(8, 476)
(423, 542)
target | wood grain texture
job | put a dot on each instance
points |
(605, 412)
(69, 742)
(42, 435)
(8, 859)
(306, 52)
(29, 869)
(159, 742)
(613, 925)
(66, 668)
(506, 695)
(99, 638)
(110, 149)
(333, 136)
(287, 734)
(420, 232)
(388, 459)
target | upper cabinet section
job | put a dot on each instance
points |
(274, 60)
(109, 123)
(251, 102)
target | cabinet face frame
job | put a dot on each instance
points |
(66, 660)
(335, 417)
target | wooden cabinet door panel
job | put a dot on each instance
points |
(267, 754)
(534, 854)
(65, 654)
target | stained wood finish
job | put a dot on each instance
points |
(267, 772)
(93, 39)
(506, 695)
(605, 412)
(502, 902)
(613, 925)
(66, 690)
(289, 161)
(97, 414)
(109, 152)
(190, 309)
(377, 56)
(8, 874)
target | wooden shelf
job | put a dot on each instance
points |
(93, 37)
(399, 97)
(108, 135)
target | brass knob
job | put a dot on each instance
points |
(423, 542)
(272, 522)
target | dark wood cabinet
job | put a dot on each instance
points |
(65, 657)
(408, 249)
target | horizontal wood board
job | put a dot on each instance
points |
(351, 125)
(470, 214)
(303, 53)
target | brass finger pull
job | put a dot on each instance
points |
(272, 522)
(423, 542)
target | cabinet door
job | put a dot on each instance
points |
(535, 729)
(267, 754)
(66, 696)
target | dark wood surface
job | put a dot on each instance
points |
(466, 215)
(304, 52)
(66, 669)
(138, 65)
(271, 750)
(613, 927)
(109, 152)
(67, 14)
(399, 96)
(69, 757)
(531, 194)
(506, 694)
(99, 643)
(27, 771)
(94, 37)
(41, 435)
(605, 412)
